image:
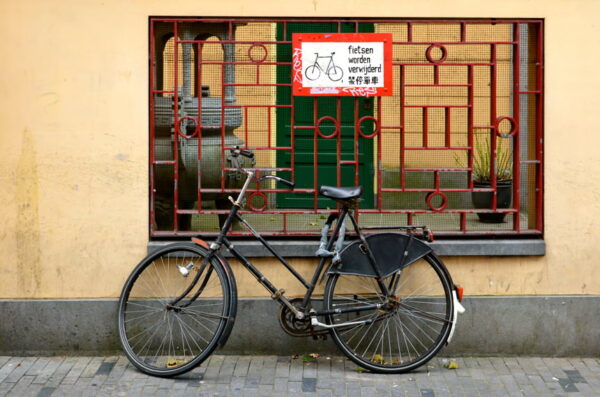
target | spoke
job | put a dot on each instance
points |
(204, 314)
(183, 325)
(193, 331)
(141, 317)
(406, 341)
(415, 311)
(415, 336)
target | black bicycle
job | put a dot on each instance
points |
(389, 302)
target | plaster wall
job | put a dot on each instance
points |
(74, 142)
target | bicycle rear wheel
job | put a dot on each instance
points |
(407, 330)
(160, 336)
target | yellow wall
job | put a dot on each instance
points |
(74, 141)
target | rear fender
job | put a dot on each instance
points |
(392, 252)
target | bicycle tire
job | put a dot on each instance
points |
(310, 72)
(167, 341)
(403, 335)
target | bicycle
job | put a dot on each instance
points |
(389, 302)
(333, 72)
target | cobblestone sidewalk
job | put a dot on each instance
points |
(279, 376)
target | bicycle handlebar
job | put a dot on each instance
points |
(236, 151)
(278, 179)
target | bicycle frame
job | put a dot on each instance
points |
(263, 280)
(330, 64)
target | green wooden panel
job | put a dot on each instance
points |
(304, 115)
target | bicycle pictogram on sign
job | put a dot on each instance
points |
(333, 72)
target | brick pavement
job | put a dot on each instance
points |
(280, 376)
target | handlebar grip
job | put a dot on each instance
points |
(247, 153)
(236, 151)
(285, 182)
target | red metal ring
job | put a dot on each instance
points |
(178, 129)
(444, 53)
(513, 126)
(249, 201)
(266, 52)
(376, 130)
(318, 127)
(430, 197)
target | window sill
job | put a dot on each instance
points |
(305, 249)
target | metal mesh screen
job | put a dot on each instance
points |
(457, 147)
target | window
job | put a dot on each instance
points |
(457, 147)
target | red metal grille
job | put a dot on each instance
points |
(468, 97)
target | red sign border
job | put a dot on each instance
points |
(299, 38)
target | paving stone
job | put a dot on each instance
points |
(279, 376)
(48, 370)
(9, 366)
(20, 370)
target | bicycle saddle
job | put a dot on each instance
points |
(341, 193)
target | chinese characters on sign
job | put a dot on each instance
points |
(342, 64)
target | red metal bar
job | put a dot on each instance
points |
(493, 116)
(453, 43)
(540, 128)
(484, 21)
(517, 136)
(402, 114)
(292, 134)
(437, 148)
(175, 135)
(447, 141)
(151, 155)
(439, 85)
(437, 106)
(223, 106)
(245, 127)
(258, 85)
(269, 132)
(379, 157)
(470, 130)
(199, 96)
(258, 106)
(285, 148)
(338, 148)
(355, 162)
(425, 126)
(315, 153)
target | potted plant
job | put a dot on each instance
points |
(482, 180)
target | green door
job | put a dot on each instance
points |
(342, 109)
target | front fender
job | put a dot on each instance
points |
(392, 252)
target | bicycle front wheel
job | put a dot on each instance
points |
(170, 322)
(407, 328)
